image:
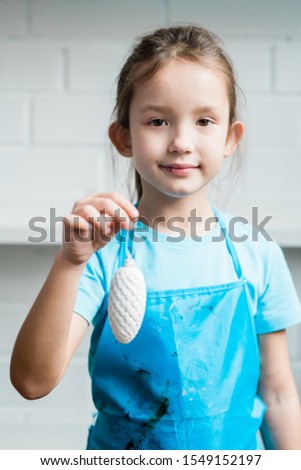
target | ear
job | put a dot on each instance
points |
(120, 138)
(235, 133)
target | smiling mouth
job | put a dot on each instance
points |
(179, 169)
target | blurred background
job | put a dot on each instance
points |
(58, 64)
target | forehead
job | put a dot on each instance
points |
(183, 82)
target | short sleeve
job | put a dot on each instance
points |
(91, 290)
(278, 306)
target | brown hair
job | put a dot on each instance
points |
(152, 51)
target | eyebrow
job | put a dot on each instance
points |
(151, 107)
(198, 110)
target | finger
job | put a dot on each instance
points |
(119, 199)
(108, 211)
(96, 221)
(102, 227)
(75, 227)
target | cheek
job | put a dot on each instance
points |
(146, 144)
(218, 144)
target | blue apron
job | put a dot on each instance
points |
(189, 378)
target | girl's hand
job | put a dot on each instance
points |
(92, 224)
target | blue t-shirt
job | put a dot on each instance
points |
(182, 262)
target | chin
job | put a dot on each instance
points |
(179, 194)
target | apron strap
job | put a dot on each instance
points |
(126, 245)
(230, 244)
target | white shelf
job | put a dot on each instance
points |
(285, 225)
(30, 219)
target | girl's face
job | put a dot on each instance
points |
(179, 129)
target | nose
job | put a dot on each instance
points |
(180, 141)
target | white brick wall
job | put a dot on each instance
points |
(244, 18)
(279, 123)
(29, 66)
(13, 119)
(95, 18)
(70, 120)
(89, 68)
(251, 51)
(58, 63)
(13, 18)
(288, 67)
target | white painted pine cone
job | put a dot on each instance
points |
(127, 300)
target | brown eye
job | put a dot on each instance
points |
(204, 122)
(158, 122)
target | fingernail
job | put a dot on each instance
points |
(135, 212)
(108, 231)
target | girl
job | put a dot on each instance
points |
(209, 367)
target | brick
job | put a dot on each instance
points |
(288, 67)
(274, 121)
(12, 18)
(13, 123)
(94, 66)
(71, 120)
(267, 168)
(88, 171)
(244, 54)
(29, 66)
(95, 18)
(241, 18)
(46, 171)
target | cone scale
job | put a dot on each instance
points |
(127, 300)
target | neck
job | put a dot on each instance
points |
(190, 213)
